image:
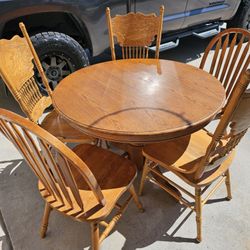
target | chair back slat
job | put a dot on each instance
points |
(228, 57)
(51, 161)
(17, 71)
(69, 179)
(55, 171)
(222, 56)
(134, 33)
(243, 63)
(63, 176)
(49, 167)
(231, 57)
(2, 129)
(134, 52)
(43, 166)
(237, 117)
(31, 152)
(215, 57)
(233, 63)
(16, 138)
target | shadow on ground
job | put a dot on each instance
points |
(5, 243)
(23, 206)
(164, 225)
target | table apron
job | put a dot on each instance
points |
(137, 139)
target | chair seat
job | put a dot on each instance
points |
(182, 155)
(60, 128)
(114, 174)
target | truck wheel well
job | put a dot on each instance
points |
(58, 21)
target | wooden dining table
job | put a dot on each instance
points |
(139, 101)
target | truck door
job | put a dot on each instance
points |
(174, 11)
(201, 11)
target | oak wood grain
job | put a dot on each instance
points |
(139, 100)
(231, 57)
(84, 184)
(202, 158)
(18, 62)
(134, 33)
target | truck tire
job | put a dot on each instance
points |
(60, 55)
(242, 16)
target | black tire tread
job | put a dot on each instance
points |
(55, 43)
(52, 36)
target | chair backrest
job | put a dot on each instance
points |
(51, 161)
(231, 57)
(17, 71)
(134, 32)
(236, 119)
(36, 59)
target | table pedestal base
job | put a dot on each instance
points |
(135, 155)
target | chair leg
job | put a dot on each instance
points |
(135, 197)
(198, 210)
(95, 142)
(98, 142)
(228, 185)
(45, 220)
(107, 144)
(144, 175)
(95, 236)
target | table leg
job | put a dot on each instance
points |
(135, 155)
(134, 152)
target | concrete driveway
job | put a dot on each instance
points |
(165, 224)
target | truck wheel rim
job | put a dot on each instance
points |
(56, 67)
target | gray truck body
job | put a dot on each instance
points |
(85, 20)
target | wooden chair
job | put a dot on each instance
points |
(84, 184)
(230, 58)
(134, 33)
(200, 159)
(17, 70)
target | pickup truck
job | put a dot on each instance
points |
(67, 33)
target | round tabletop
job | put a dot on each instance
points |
(139, 100)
